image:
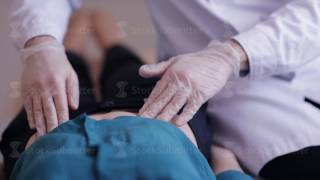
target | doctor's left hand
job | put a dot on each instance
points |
(49, 85)
(189, 80)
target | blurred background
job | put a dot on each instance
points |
(132, 19)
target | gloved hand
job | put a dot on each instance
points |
(189, 81)
(49, 84)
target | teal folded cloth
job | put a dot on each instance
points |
(124, 148)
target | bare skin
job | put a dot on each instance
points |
(79, 29)
(185, 129)
(114, 114)
(223, 160)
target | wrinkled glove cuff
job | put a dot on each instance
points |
(232, 56)
(45, 46)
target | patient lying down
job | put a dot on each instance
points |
(114, 114)
(112, 142)
(152, 149)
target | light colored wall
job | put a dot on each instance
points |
(131, 16)
(134, 21)
(10, 68)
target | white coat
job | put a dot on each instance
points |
(258, 117)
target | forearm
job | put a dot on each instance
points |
(33, 18)
(287, 40)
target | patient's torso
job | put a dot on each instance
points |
(126, 147)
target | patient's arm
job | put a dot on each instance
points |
(113, 114)
(223, 160)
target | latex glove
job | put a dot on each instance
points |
(49, 85)
(189, 81)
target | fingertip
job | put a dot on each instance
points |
(144, 71)
(73, 93)
(140, 113)
(145, 115)
(40, 132)
(28, 110)
(145, 106)
(62, 108)
(142, 110)
(63, 117)
(31, 125)
(52, 127)
(164, 117)
(179, 121)
(74, 106)
(63, 120)
(154, 70)
(150, 113)
(49, 129)
(76, 97)
(31, 122)
(73, 100)
(161, 118)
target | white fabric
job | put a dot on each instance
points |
(262, 120)
(260, 117)
(29, 19)
(281, 37)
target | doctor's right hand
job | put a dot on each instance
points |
(189, 80)
(49, 84)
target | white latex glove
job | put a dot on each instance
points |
(49, 84)
(189, 81)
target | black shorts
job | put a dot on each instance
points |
(299, 165)
(119, 63)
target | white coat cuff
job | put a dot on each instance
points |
(20, 40)
(262, 58)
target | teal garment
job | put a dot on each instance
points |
(232, 175)
(124, 148)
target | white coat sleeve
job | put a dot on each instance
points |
(288, 39)
(31, 18)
